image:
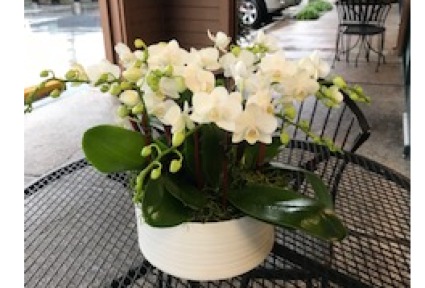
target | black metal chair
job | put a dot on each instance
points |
(364, 19)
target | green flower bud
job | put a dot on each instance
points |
(178, 138)
(290, 112)
(175, 166)
(103, 78)
(104, 88)
(153, 81)
(168, 71)
(71, 74)
(236, 50)
(138, 43)
(340, 82)
(123, 111)
(304, 125)
(55, 93)
(44, 73)
(138, 109)
(284, 138)
(132, 74)
(115, 89)
(358, 89)
(155, 173)
(146, 151)
(125, 85)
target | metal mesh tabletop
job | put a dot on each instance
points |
(80, 231)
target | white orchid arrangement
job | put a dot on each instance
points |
(206, 124)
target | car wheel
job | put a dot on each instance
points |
(252, 13)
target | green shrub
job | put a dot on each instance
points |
(321, 5)
(308, 13)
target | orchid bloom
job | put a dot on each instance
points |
(172, 86)
(299, 86)
(315, 67)
(221, 40)
(206, 58)
(228, 62)
(218, 107)
(254, 125)
(178, 120)
(166, 54)
(266, 41)
(104, 67)
(263, 99)
(276, 67)
(198, 79)
(126, 56)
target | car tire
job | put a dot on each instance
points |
(252, 13)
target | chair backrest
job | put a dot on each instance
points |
(345, 125)
(363, 12)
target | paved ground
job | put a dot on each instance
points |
(53, 131)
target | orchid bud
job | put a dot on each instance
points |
(290, 112)
(130, 98)
(168, 71)
(236, 51)
(153, 81)
(122, 111)
(115, 89)
(132, 74)
(44, 73)
(178, 138)
(146, 151)
(138, 109)
(55, 93)
(175, 166)
(181, 86)
(155, 173)
(138, 43)
(340, 82)
(284, 138)
(104, 88)
(71, 74)
(125, 85)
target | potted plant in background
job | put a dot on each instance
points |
(204, 127)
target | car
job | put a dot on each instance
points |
(252, 13)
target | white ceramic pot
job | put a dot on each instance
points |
(206, 251)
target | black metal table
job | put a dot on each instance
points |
(80, 231)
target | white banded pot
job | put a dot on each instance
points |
(206, 251)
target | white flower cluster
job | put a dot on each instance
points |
(261, 84)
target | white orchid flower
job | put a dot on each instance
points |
(262, 98)
(94, 72)
(228, 62)
(276, 67)
(172, 86)
(315, 67)
(219, 107)
(221, 40)
(198, 79)
(151, 99)
(126, 56)
(164, 54)
(206, 58)
(299, 86)
(130, 98)
(267, 41)
(178, 120)
(254, 125)
(81, 72)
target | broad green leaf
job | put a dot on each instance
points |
(212, 154)
(188, 194)
(113, 149)
(160, 208)
(321, 191)
(287, 208)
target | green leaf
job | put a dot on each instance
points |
(251, 152)
(160, 208)
(321, 191)
(287, 208)
(212, 153)
(188, 194)
(113, 149)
